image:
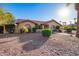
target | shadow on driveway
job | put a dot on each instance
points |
(32, 41)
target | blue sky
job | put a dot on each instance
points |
(38, 11)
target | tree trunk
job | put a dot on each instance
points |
(4, 29)
(77, 8)
(77, 33)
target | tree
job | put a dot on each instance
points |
(74, 20)
(9, 19)
(77, 9)
(1, 16)
(6, 17)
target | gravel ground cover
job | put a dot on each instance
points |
(34, 44)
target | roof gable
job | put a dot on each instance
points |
(36, 22)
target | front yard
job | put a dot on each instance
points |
(34, 44)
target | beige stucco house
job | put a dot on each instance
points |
(32, 23)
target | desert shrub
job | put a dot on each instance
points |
(34, 29)
(25, 29)
(74, 28)
(59, 30)
(46, 32)
(68, 29)
(37, 26)
(57, 27)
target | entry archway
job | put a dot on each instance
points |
(28, 26)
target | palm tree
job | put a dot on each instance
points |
(9, 19)
(74, 20)
(1, 16)
(6, 17)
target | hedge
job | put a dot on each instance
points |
(46, 32)
(34, 29)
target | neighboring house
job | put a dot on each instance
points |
(41, 24)
(72, 25)
(8, 28)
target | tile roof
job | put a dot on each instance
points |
(35, 21)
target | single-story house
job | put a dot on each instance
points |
(29, 24)
(41, 24)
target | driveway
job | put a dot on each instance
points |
(34, 44)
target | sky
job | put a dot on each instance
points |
(39, 11)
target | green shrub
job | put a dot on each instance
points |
(57, 27)
(74, 28)
(66, 27)
(46, 32)
(34, 29)
(69, 30)
(37, 26)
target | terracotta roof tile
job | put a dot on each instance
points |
(35, 21)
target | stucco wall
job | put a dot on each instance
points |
(16, 29)
(52, 23)
(24, 24)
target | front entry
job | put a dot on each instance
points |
(46, 26)
(29, 27)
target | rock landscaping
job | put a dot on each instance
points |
(34, 44)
